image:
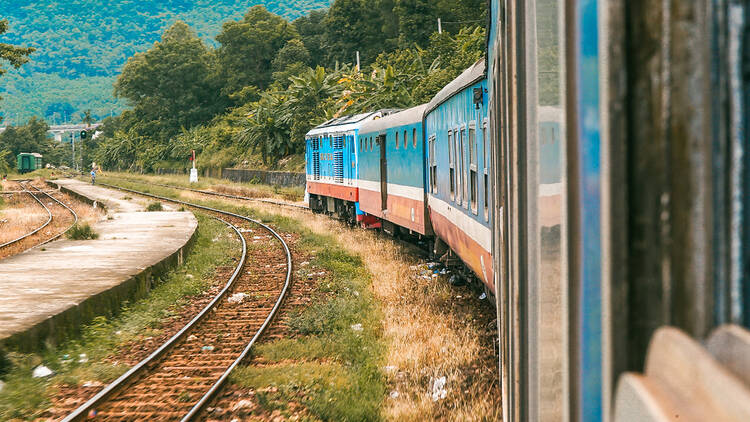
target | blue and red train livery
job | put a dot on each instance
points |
(459, 198)
(391, 187)
(332, 170)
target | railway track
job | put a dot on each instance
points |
(35, 230)
(177, 380)
(29, 239)
(218, 194)
(62, 205)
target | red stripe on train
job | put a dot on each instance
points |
(470, 252)
(347, 193)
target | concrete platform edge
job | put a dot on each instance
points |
(77, 195)
(67, 324)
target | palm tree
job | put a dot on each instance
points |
(87, 118)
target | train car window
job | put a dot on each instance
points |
(370, 143)
(414, 137)
(463, 196)
(405, 139)
(396, 139)
(473, 177)
(433, 165)
(452, 165)
(485, 162)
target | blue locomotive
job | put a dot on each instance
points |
(593, 174)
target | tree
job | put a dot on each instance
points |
(312, 30)
(87, 119)
(16, 56)
(291, 60)
(248, 48)
(170, 86)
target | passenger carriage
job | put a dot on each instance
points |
(391, 173)
(457, 165)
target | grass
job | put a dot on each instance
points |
(417, 330)
(251, 190)
(82, 231)
(25, 397)
(154, 206)
(332, 369)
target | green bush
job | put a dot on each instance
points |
(82, 232)
(154, 206)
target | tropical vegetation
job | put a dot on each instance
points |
(250, 100)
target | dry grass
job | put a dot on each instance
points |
(20, 215)
(431, 329)
(430, 332)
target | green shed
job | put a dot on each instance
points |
(29, 161)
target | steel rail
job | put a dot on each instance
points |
(49, 220)
(224, 195)
(196, 409)
(75, 216)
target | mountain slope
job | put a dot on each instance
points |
(82, 45)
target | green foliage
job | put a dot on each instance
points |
(31, 137)
(170, 86)
(154, 206)
(249, 47)
(16, 56)
(82, 231)
(270, 81)
(81, 45)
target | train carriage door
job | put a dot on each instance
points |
(25, 163)
(383, 172)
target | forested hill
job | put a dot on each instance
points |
(83, 44)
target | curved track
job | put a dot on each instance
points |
(223, 195)
(36, 230)
(62, 204)
(176, 381)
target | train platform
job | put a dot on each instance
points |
(49, 292)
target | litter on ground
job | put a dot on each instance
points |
(41, 371)
(438, 389)
(237, 298)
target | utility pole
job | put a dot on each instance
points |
(440, 26)
(358, 67)
(73, 145)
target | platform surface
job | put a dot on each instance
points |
(38, 284)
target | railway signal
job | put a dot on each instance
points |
(84, 135)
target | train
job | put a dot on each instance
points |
(592, 174)
(28, 162)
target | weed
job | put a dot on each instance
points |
(82, 231)
(127, 198)
(184, 397)
(154, 206)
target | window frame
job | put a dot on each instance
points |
(452, 165)
(406, 138)
(433, 164)
(414, 137)
(473, 168)
(397, 139)
(485, 167)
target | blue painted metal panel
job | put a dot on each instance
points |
(589, 185)
(405, 164)
(457, 112)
